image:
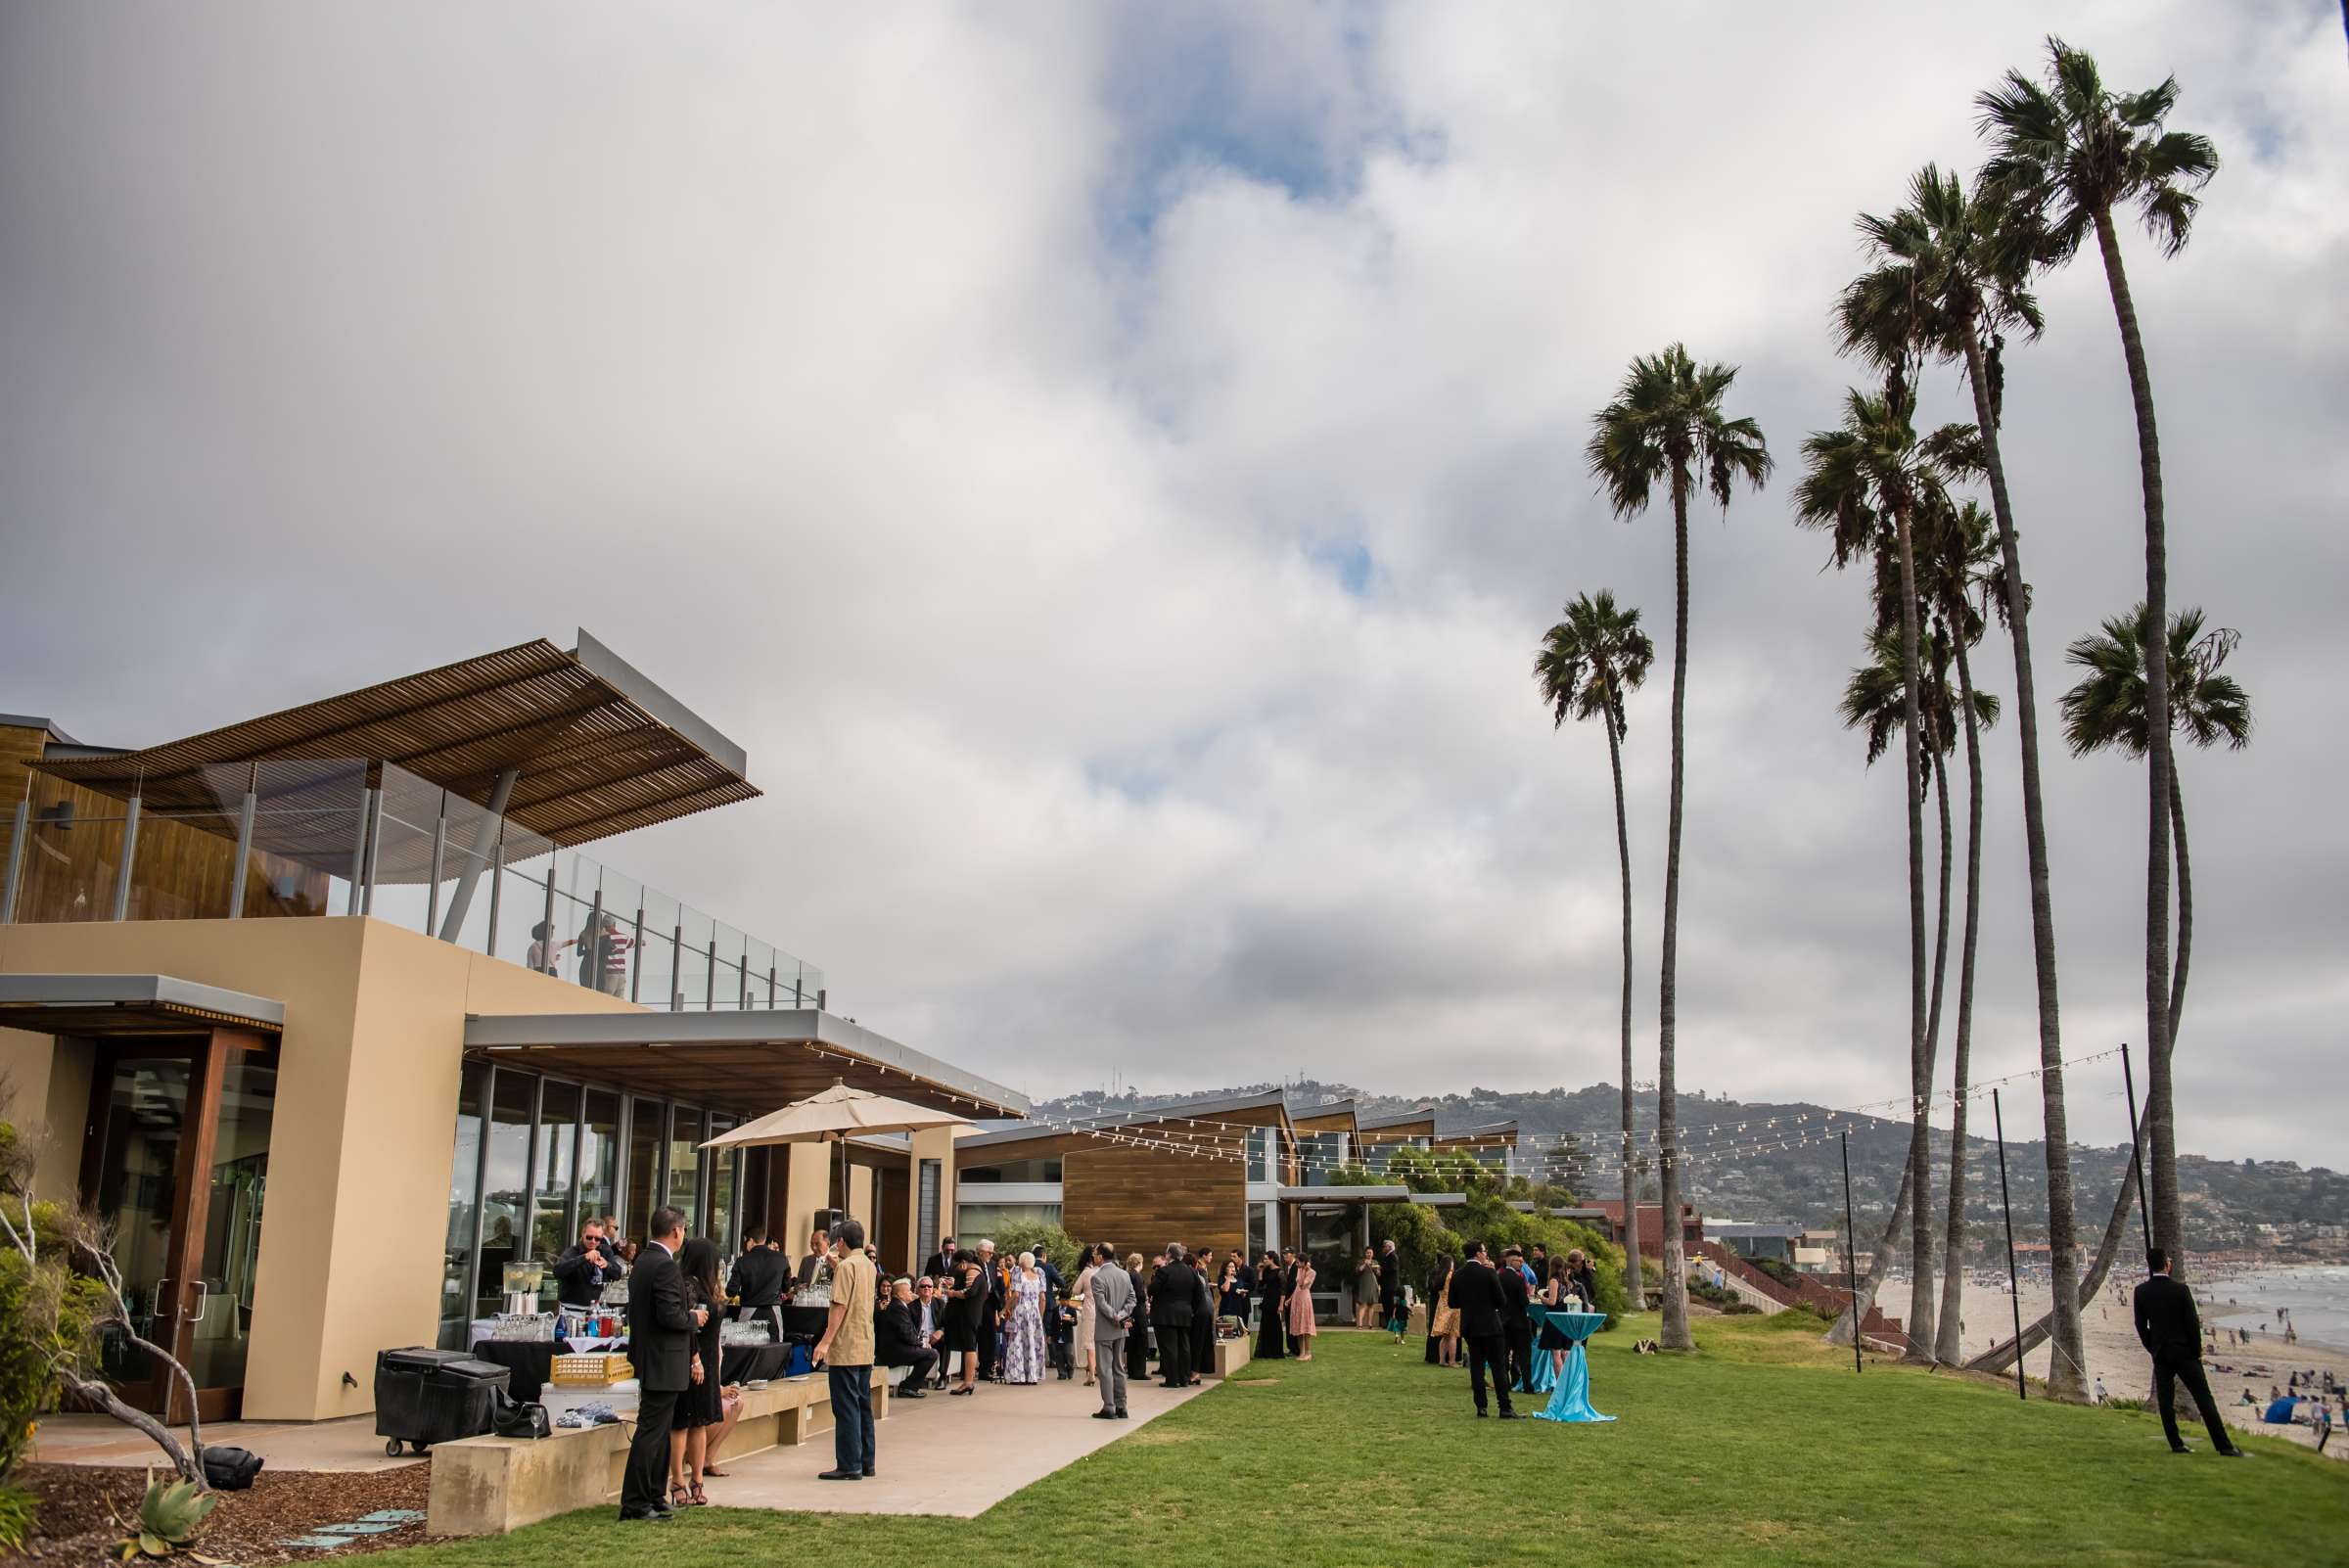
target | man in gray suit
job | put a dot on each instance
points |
(1112, 1292)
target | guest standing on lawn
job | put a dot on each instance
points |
(1272, 1309)
(1443, 1318)
(1024, 1323)
(1174, 1291)
(1477, 1300)
(847, 1351)
(1365, 1290)
(660, 1328)
(1110, 1302)
(1301, 1327)
(1390, 1287)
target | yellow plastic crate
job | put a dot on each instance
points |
(594, 1369)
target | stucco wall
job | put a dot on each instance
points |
(353, 1223)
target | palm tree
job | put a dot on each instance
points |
(1963, 581)
(1666, 423)
(2108, 710)
(1866, 482)
(1951, 278)
(2067, 154)
(1587, 662)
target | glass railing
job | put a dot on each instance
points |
(313, 838)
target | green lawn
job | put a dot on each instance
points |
(1762, 1449)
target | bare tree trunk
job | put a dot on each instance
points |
(101, 1396)
(1632, 1287)
(1949, 1346)
(2162, 1156)
(1878, 1266)
(2062, 1233)
(1674, 1334)
(1920, 1073)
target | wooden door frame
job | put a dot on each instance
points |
(208, 1057)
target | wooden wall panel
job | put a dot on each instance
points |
(1137, 1200)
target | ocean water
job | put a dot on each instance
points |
(2318, 1298)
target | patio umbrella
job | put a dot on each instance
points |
(835, 1115)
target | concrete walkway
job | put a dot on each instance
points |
(948, 1455)
(346, 1444)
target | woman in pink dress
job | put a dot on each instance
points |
(1301, 1326)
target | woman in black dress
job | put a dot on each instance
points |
(702, 1406)
(1553, 1294)
(1271, 1337)
(966, 1289)
(1138, 1338)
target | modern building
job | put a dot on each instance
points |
(1609, 1214)
(329, 1014)
(1381, 1135)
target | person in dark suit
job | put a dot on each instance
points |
(660, 1333)
(1516, 1323)
(817, 1260)
(1137, 1339)
(586, 1266)
(759, 1277)
(1203, 1322)
(2172, 1333)
(1390, 1287)
(941, 1260)
(899, 1340)
(1476, 1291)
(1174, 1292)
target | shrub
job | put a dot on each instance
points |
(17, 1515)
(1044, 1240)
(1741, 1309)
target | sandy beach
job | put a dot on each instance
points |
(2115, 1356)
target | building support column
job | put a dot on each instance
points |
(477, 855)
(811, 1190)
(932, 1143)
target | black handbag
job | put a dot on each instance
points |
(525, 1419)
(230, 1469)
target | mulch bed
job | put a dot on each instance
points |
(76, 1527)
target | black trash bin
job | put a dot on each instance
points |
(424, 1397)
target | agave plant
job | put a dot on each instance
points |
(169, 1515)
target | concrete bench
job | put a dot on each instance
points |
(1231, 1355)
(487, 1486)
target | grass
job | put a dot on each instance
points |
(1762, 1449)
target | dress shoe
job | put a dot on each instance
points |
(1511, 1415)
(1123, 1416)
(867, 1476)
(1480, 1415)
(1105, 1415)
(840, 1475)
(2234, 1454)
(2182, 1448)
(648, 1515)
(909, 1394)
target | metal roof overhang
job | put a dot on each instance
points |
(597, 749)
(749, 1062)
(1396, 1194)
(130, 1004)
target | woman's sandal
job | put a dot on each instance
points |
(709, 1470)
(700, 1499)
(679, 1497)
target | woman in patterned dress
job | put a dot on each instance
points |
(1301, 1327)
(1024, 1328)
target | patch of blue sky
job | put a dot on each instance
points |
(1348, 561)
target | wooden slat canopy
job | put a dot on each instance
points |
(744, 1062)
(597, 747)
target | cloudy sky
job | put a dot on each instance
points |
(1111, 467)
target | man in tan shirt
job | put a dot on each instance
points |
(847, 1353)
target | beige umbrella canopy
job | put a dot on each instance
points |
(834, 1116)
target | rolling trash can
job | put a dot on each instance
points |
(424, 1397)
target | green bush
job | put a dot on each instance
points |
(1045, 1240)
(18, 1511)
(47, 1311)
(1741, 1309)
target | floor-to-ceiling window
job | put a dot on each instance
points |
(551, 1228)
(505, 1187)
(724, 1164)
(463, 1193)
(685, 1165)
(646, 1118)
(599, 1155)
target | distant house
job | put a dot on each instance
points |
(1651, 1226)
(1756, 1241)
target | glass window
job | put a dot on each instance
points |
(977, 1220)
(644, 1167)
(685, 1167)
(1012, 1170)
(504, 1195)
(599, 1154)
(464, 1192)
(1260, 1154)
(231, 1232)
(146, 1114)
(550, 1187)
(1260, 1229)
(724, 1165)
(756, 1167)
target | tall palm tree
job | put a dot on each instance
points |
(2067, 154)
(1586, 663)
(1666, 423)
(1963, 581)
(1866, 482)
(1951, 278)
(2108, 709)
